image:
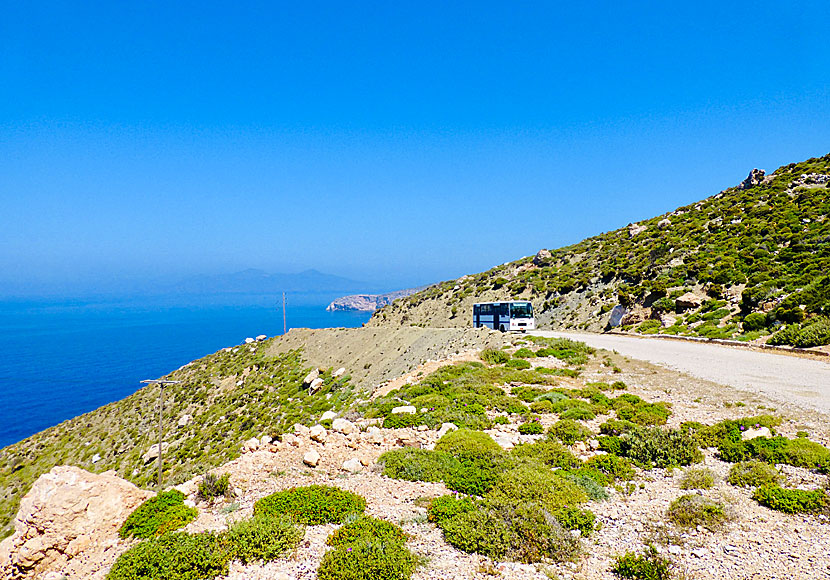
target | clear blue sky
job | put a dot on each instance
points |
(393, 142)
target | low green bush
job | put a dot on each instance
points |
(531, 428)
(518, 363)
(753, 474)
(312, 505)
(448, 506)
(697, 478)
(791, 501)
(649, 565)
(696, 510)
(728, 430)
(464, 443)
(368, 560)
(552, 396)
(589, 484)
(263, 537)
(536, 483)
(543, 406)
(799, 452)
(174, 556)
(162, 513)
(657, 447)
(574, 518)
(578, 414)
(402, 420)
(413, 464)
(616, 427)
(527, 393)
(501, 420)
(611, 465)
(365, 527)
(494, 357)
(475, 475)
(212, 486)
(754, 321)
(524, 353)
(547, 451)
(569, 431)
(644, 413)
(610, 444)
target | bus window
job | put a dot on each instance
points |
(521, 310)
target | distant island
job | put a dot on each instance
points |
(370, 302)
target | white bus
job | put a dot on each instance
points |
(504, 316)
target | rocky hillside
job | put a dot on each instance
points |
(743, 263)
(370, 302)
(225, 399)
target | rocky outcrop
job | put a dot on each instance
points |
(68, 512)
(542, 257)
(755, 177)
(370, 302)
(689, 300)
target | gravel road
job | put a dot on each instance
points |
(804, 382)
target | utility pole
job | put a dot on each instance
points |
(284, 328)
(161, 383)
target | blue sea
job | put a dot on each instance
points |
(59, 359)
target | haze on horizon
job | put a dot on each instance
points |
(393, 144)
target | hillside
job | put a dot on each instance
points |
(745, 263)
(370, 302)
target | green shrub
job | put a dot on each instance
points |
(312, 505)
(536, 483)
(501, 420)
(696, 510)
(593, 489)
(212, 486)
(569, 431)
(368, 560)
(175, 556)
(448, 506)
(413, 464)
(527, 394)
(517, 363)
(799, 452)
(791, 501)
(402, 420)
(643, 413)
(365, 527)
(754, 321)
(647, 566)
(552, 396)
(618, 386)
(531, 428)
(494, 357)
(612, 466)
(508, 530)
(616, 427)
(475, 475)
(660, 447)
(543, 406)
(574, 518)
(753, 474)
(163, 513)
(524, 353)
(464, 443)
(263, 538)
(578, 414)
(549, 452)
(813, 333)
(697, 478)
(610, 444)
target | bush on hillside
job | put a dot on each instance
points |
(697, 478)
(574, 518)
(695, 510)
(541, 407)
(531, 428)
(548, 452)
(799, 452)
(175, 556)
(611, 465)
(366, 528)
(448, 506)
(212, 486)
(657, 447)
(753, 474)
(616, 427)
(367, 560)
(649, 565)
(588, 483)
(524, 353)
(463, 443)
(536, 483)
(263, 538)
(754, 321)
(413, 464)
(160, 514)
(311, 505)
(494, 357)
(569, 431)
(791, 501)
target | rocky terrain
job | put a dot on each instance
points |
(745, 263)
(66, 526)
(370, 302)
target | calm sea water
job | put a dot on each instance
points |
(59, 359)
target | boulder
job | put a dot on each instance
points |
(664, 223)
(249, 340)
(68, 511)
(541, 257)
(635, 229)
(338, 373)
(755, 177)
(265, 440)
(328, 416)
(261, 337)
(405, 409)
(185, 420)
(311, 376)
(446, 428)
(153, 452)
(344, 426)
(251, 444)
(688, 301)
(353, 465)
(301, 429)
(315, 385)
(755, 433)
(318, 433)
(311, 458)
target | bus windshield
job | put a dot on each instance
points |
(521, 310)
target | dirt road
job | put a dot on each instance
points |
(805, 382)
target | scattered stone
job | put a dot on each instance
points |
(541, 257)
(328, 415)
(251, 444)
(301, 429)
(664, 223)
(446, 428)
(260, 337)
(339, 372)
(755, 177)
(353, 465)
(185, 420)
(344, 426)
(265, 440)
(635, 229)
(318, 433)
(689, 300)
(96, 458)
(153, 452)
(315, 386)
(311, 458)
(755, 433)
(249, 340)
(311, 376)
(409, 409)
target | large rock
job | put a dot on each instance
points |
(311, 458)
(311, 376)
(542, 257)
(755, 433)
(153, 452)
(67, 512)
(315, 386)
(688, 301)
(353, 465)
(328, 415)
(404, 409)
(318, 433)
(635, 229)
(338, 373)
(344, 426)
(755, 177)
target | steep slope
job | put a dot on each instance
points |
(762, 247)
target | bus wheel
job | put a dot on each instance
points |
(501, 328)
